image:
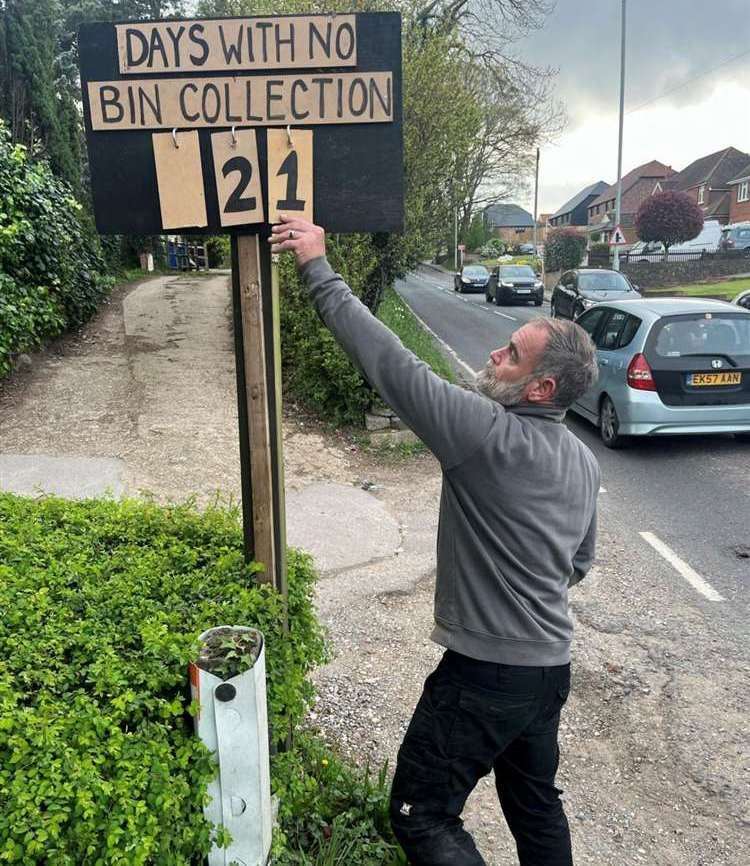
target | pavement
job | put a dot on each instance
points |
(655, 761)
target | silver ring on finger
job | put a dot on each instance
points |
(292, 235)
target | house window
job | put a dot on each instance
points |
(701, 193)
(743, 191)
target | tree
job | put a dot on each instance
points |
(670, 217)
(563, 249)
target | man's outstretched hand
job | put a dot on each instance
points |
(306, 240)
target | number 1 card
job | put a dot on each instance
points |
(237, 177)
(290, 173)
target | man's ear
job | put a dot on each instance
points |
(542, 390)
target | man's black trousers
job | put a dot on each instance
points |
(474, 717)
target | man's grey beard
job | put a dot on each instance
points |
(504, 393)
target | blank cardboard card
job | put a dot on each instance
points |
(179, 178)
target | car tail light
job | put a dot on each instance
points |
(640, 376)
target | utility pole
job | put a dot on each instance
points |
(618, 200)
(536, 196)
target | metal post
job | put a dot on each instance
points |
(536, 196)
(618, 200)
(455, 239)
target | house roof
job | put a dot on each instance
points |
(742, 176)
(570, 205)
(715, 168)
(653, 169)
(508, 216)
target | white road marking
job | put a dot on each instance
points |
(691, 576)
(444, 344)
(505, 316)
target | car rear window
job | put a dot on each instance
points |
(606, 281)
(702, 334)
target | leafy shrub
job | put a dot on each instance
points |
(493, 248)
(50, 261)
(564, 250)
(102, 603)
(670, 217)
(329, 813)
(599, 249)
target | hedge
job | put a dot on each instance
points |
(51, 268)
(101, 604)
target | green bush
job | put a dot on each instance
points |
(50, 261)
(564, 250)
(101, 606)
(599, 249)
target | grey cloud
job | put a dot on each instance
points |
(669, 41)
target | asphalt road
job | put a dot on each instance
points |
(691, 493)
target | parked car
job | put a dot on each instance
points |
(736, 237)
(527, 249)
(514, 283)
(471, 278)
(743, 299)
(580, 289)
(708, 241)
(668, 366)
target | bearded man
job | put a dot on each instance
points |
(517, 529)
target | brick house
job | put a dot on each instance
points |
(637, 185)
(510, 222)
(739, 196)
(706, 181)
(575, 211)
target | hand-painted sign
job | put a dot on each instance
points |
(179, 113)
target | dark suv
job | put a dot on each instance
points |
(512, 283)
(580, 289)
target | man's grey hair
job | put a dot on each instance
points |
(569, 358)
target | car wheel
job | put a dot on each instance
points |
(538, 303)
(488, 297)
(609, 424)
(552, 310)
(498, 302)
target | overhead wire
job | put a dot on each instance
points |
(689, 81)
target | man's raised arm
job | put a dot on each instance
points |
(450, 420)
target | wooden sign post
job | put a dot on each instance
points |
(218, 125)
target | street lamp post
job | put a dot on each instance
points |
(536, 196)
(618, 200)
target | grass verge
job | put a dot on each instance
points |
(399, 318)
(726, 290)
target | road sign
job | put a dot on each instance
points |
(618, 238)
(178, 118)
(217, 125)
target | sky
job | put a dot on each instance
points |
(669, 42)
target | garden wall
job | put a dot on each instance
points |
(649, 275)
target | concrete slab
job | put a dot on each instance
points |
(340, 526)
(70, 477)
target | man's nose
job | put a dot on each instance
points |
(496, 356)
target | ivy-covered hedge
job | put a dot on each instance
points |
(51, 269)
(100, 607)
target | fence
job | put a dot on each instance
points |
(650, 270)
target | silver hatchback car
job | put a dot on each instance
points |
(666, 366)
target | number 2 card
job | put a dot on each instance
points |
(237, 177)
(290, 173)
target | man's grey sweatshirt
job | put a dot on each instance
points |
(518, 503)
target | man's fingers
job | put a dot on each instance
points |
(298, 226)
(301, 222)
(282, 246)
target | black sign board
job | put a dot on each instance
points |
(187, 121)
